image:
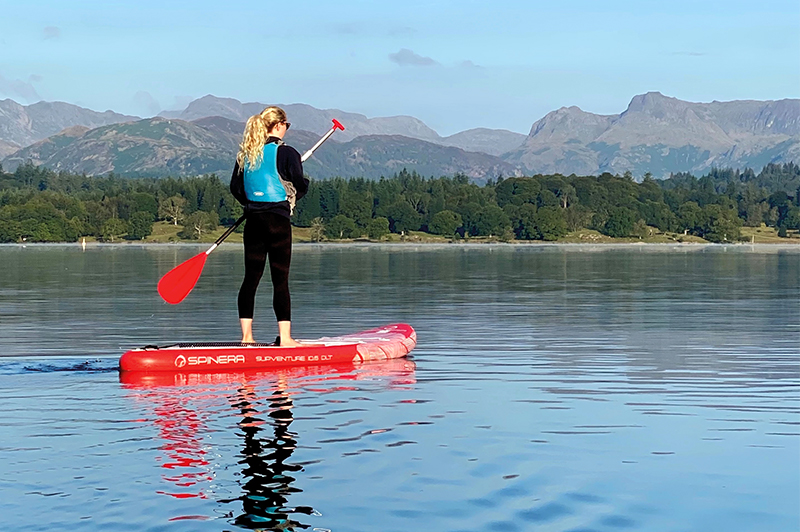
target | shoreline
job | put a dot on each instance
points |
(429, 245)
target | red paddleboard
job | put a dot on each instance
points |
(384, 343)
(397, 372)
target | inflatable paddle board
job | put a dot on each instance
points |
(319, 378)
(384, 343)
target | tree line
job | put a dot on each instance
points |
(40, 205)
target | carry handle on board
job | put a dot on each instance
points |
(176, 284)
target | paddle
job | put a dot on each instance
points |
(179, 281)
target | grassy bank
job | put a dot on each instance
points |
(165, 233)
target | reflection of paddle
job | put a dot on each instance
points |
(179, 281)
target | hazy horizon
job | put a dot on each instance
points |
(453, 66)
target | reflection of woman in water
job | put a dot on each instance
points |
(267, 477)
(268, 483)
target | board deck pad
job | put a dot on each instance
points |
(382, 343)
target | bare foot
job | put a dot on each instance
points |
(247, 330)
(289, 342)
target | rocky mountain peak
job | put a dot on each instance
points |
(568, 124)
(661, 134)
(656, 105)
(210, 105)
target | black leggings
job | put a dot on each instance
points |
(267, 235)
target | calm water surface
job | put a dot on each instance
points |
(553, 388)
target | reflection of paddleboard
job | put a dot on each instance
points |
(391, 341)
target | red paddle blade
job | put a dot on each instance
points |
(179, 281)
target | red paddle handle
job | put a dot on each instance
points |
(336, 125)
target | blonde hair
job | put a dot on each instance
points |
(256, 132)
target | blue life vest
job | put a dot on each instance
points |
(264, 183)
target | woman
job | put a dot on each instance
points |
(267, 179)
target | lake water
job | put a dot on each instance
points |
(570, 388)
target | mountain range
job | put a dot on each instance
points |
(655, 134)
(307, 118)
(658, 134)
(164, 146)
(22, 125)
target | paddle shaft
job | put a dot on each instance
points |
(226, 234)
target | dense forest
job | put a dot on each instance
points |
(40, 205)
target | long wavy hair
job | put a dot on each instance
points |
(256, 132)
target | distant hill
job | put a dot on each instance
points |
(155, 146)
(373, 156)
(308, 118)
(161, 146)
(491, 141)
(22, 125)
(661, 135)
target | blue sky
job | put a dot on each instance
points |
(455, 65)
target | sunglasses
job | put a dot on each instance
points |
(287, 124)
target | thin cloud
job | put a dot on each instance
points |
(51, 32)
(145, 103)
(469, 65)
(406, 57)
(35, 78)
(16, 88)
(690, 53)
(181, 102)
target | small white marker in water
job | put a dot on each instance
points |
(83, 244)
